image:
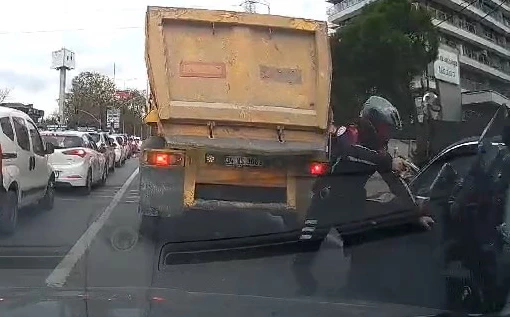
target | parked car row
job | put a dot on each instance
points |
(33, 163)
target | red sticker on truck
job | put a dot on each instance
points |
(203, 70)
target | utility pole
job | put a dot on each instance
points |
(62, 94)
(62, 60)
(251, 5)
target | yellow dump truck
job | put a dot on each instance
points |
(239, 105)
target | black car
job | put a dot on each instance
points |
(460, 155)
(385, 210)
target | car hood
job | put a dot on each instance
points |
(134, 302)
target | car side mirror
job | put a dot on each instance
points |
(50, 148)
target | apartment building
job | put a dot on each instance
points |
(479, 30)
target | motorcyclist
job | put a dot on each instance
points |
(357, 151)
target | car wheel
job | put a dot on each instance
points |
(88, 184)
(9, 213)
(112, 167)
(104, 176)
(49, 198)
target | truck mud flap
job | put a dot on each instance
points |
(161, 191)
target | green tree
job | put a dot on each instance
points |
(90, 96)
(379, 52)
(52, 118)
(132, 111)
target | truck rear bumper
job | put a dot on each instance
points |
(234, 205)
(164, 208)
(170, 192)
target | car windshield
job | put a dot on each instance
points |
(64, 141)
(283, 158)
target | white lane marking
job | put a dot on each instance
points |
(58, 277)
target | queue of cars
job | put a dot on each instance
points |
(86, 158)
(34, 163)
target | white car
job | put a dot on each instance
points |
(120, 149)
(26, 178)
(102, 142)
(76, 161)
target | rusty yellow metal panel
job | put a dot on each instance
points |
(206, 65)
(151, 117)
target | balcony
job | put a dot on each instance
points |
(501, 74)
(478, 10)
(484, 97)
(346, 9)
(472, 85)
(468, 32)
(502, 4)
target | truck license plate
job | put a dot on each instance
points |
(243, 161)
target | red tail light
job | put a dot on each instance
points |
(77, 152)
(319, 168)
(164, 159)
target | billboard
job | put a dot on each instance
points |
(123, 94)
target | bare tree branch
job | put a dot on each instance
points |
(4, 93)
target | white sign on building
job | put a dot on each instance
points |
(446, 67)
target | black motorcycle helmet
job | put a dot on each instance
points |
(382, 116)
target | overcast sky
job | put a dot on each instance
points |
(100, 32)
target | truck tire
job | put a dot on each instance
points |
(149, 224)
(148, 227)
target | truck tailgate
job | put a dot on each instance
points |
(242, 68)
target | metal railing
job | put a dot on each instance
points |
(339, 7)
